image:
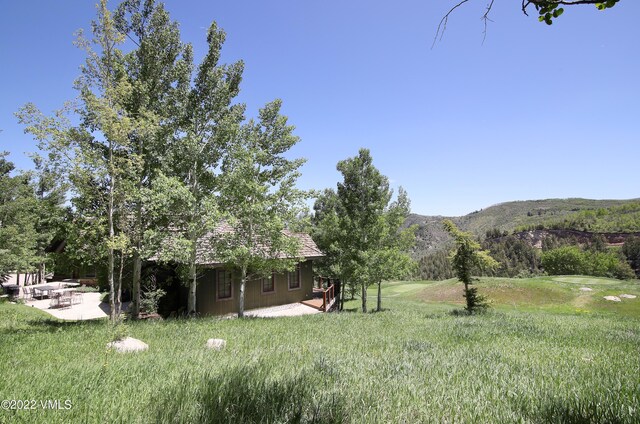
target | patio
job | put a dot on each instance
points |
(61, 300)
(92, 308)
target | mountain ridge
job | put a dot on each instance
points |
(505, 217)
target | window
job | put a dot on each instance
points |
(269, 284)
(294, 278)
(224, 288)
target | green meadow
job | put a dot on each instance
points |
(546, 352)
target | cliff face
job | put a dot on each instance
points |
(430, 235)
(535, 237)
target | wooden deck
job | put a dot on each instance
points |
(323, 299)
(314, 303)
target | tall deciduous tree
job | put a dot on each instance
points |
(207, 129)
(258, 197)
(207, 121)
(50, 192)
(369, 236)
(158, 70)
(327, 235)
(17, 231)
(108, 154)
(468, 257)
(98, 154)
(390, 259)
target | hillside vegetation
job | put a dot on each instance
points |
(615, 219)
(598, 215)
(533, 221)
(541, 355)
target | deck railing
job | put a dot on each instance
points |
(328, 298)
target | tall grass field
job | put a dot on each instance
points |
(546, 352)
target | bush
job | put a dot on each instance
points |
(623, 271)
(570, 260)
(87, 289)
(567, 260)
(151, 295)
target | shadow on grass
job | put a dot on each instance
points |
(48, 325)
(578, 411)
(250, 395)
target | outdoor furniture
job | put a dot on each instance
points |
(61, 298)
(76, 297)
(54, 300)
(65, 299)
(27, 293)
(12, 290)
(43, 290)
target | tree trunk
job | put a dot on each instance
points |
(193, 281)
(110, 265)
(138, 233)
(364, 297)
(379, 308)
(18, 278)
(111, 261)
(243, 279)
(466, 296)
(41, 272)
(135, 284)
(118, 299)
(341, 295)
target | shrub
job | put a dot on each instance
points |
(151, 295)
(570, 260)
(567, 260)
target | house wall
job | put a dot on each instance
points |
(208, 304)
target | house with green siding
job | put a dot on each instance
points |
(218, 286)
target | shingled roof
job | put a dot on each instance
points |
(205, 254)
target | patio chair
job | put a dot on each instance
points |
(76, 298)
(27, 293)
(65, 299)
(54, 300)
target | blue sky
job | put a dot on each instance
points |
(535, 112)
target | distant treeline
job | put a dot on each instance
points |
(558, 256)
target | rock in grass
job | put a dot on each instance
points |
(628, 296)
(128, 344)
(216, 344)
(585, 289)
(613, 298)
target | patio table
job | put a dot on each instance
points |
(44, 289)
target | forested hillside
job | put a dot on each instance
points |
(585, 215)
(579, 214)
(615, 219)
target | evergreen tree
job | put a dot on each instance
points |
(467, 258)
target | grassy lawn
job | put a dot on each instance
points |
(533, 358)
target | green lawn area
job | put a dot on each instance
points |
(560, 294)
(532, 358)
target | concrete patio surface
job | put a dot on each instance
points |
(289, 310)
(90, 308)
